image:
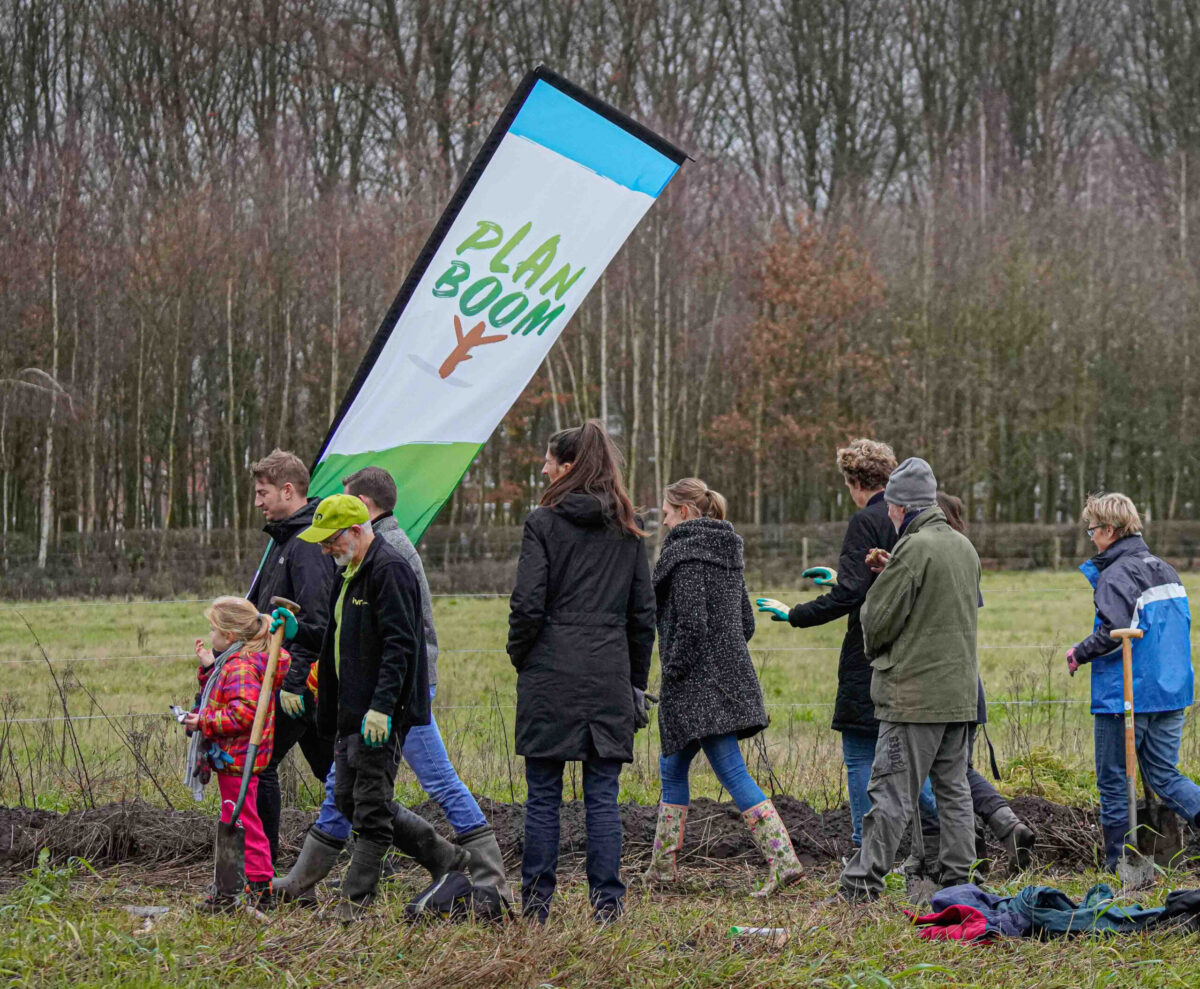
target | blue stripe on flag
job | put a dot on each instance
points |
(552, 119)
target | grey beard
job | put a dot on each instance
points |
(342, 559)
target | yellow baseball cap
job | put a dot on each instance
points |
(337, 512)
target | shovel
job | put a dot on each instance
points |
(229, 869)
(1161, 835)
(1134, 870)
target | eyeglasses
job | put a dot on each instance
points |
(1094, 529)
(330, 540)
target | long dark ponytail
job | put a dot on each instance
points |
(595, 470)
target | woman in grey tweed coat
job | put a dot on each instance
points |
(710, 694)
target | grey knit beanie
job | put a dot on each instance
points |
(912, 485)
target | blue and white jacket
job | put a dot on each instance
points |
(1134, 589)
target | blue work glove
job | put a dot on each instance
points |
(776, 609)
(290, 625)
(376, 728)
(292, 704)
(219, 757)
(821, 575)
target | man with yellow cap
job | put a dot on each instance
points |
(372, 681)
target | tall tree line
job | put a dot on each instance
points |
(965, 226)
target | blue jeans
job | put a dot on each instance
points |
(426, 754)
(858, 753)
(1157, 736)
(539, 862)
(726, 760)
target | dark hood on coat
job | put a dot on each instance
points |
(582, 509)
(705, 540)
(283, 530)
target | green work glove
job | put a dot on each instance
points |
(776, 609)
(821, 575)
(376, 728)
(292, 704)
(290, 625)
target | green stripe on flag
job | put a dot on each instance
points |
(426, 474)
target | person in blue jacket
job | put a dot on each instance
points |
(1134, 589)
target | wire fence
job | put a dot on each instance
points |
(771, 706)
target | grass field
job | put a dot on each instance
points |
(119, 664)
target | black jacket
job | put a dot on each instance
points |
(580, 633)
(709, 686)
(300, 572)
(383, 662)
(869, 527)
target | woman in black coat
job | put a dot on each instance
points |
(710, 693)
(581, 631)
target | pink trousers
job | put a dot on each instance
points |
(258, 849)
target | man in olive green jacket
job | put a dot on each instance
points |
(919, 626)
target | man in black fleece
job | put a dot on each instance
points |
(372, 681)
(300, 572)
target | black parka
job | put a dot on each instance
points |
(709, 686)
(300, 572)
(869, 528)
(383, 663)
(580, 633)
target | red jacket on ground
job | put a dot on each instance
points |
(229, 714)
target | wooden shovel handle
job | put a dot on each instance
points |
(268, 684)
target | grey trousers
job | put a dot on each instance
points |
(904, 755)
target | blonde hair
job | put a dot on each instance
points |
(868, 463)
(239, 619)
(1113, 509)
(694, 493)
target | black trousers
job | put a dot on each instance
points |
(318, 752)
(364, 786)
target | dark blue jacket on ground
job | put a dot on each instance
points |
(1134, 589)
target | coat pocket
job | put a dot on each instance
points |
(884, 661)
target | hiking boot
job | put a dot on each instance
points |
(1018, 839)
(216, 902)
(668, 840)
(260, 894)
(768, 831)
(485, 863)
(361, 880)
(920, 890)
(318, 856)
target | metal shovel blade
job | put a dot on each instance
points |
(229, 863)
(1160, 837)
(1134, 871)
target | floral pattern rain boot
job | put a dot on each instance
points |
(668, 840)
(769, 833)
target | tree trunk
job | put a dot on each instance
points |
(230, 431)
(171, 430)
(47, 501)
(603, 352)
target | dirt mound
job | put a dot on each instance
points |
(136, 832)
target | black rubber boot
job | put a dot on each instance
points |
(1114, 845)
(317, 857)
(1018, 838)
(416, 838)
(361, 880)
(485, 861)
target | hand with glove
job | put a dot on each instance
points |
(292, 704)
(776, 609)
(825, 576)
(641, 708)
(376, 728)
(281, 616)
(1072, 662)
